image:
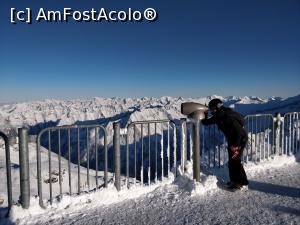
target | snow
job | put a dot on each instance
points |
(274, 190)
(101, 197)
(273, 198)
(102, 110)
(45, 173)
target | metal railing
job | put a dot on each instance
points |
(261, 129)
(8, 169)
(153, 150)
(261, 137)
(213, 147)
(150, 156)
(78, 143)
(24, 167)
(24, 199)
(290, 133)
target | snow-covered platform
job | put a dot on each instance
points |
(273, 198)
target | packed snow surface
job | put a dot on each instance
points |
(273, 198)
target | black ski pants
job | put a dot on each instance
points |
(237, 173)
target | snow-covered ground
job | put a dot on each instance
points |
(273, 198)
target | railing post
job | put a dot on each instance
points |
(105, 159)
(196, 150)
(8, 169)
(183, 143)
(117, 161)
(277, 133)
(24, 167)
(127, 159)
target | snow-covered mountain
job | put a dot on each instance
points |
(271, 105)
(39, 114)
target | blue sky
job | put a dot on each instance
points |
(195, 48)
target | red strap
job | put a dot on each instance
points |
(236, 152)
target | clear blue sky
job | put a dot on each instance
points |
(195, 48)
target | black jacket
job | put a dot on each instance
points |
(231, 124)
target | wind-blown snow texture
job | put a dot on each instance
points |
(273, 198)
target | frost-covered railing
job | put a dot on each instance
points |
(290, 133)
(151, 151)
(213, 147)
(267, 135)
(8, 166)
(260, 146)
(144, 152)
(261, 137)
(85, 140)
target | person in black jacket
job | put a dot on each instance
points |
(231, 124)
